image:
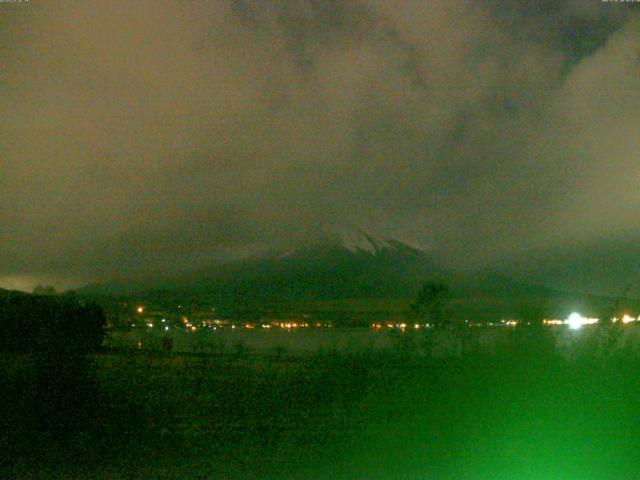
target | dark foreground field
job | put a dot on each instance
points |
(522, 410)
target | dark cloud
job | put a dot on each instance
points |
(140, 136)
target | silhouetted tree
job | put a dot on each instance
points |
(430, 303)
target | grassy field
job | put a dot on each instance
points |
(526, 409)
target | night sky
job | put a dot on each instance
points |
(143, 136)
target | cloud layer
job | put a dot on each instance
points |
(145, 136)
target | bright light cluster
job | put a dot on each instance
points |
(574, 321)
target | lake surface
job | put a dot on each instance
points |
(310, 341)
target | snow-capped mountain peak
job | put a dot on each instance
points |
(357, 240)
(349, 238)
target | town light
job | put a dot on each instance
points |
(628, 319)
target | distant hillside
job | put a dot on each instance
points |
(607, 266)
(8, 293)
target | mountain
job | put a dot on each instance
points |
(352, 274)
(352, 264)
(605, 267)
